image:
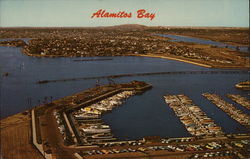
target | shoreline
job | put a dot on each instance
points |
(148, 55)
(207, 38)
(176, 59)
(194, 63)
(212, 58)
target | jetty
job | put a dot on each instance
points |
(144, 74)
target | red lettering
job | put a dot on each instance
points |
(112, 15)
(121, 15)
(102, 14)
(140, 13)
(129, 15)
(97, 14)
(106, 15)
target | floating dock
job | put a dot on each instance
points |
(232, 111)
(94, 131)
(240, 100)
(194, 119)
(243, 85)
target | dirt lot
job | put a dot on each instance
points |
(16, 138)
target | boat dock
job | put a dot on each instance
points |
(232, 111)
(240, 100)
(94, 130)
(194, 119)
(243, 85)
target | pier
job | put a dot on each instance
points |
(95, 130)
(194, 119)
(243, 101)
(74, 121)
(232, 111)
(243, 85)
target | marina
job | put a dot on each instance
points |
(161, 73)
(80, 123)
(88, 119)
(231, 110)
(194, 119)
(244, 101)
(93, 122)
(83, 130)
(79, 80)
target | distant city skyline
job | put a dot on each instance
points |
(77, 13)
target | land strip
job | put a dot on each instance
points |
(138, 41)
(229, 35)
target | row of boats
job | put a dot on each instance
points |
(194, 119)
(90, 125)
(61, 125)
(232, 111)
(97, 109)
(243, 85)
(240, 100)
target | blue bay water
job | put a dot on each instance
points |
(142, 115)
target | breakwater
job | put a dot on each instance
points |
(143, 74)
(78, 116)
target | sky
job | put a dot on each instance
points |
(77, 13)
